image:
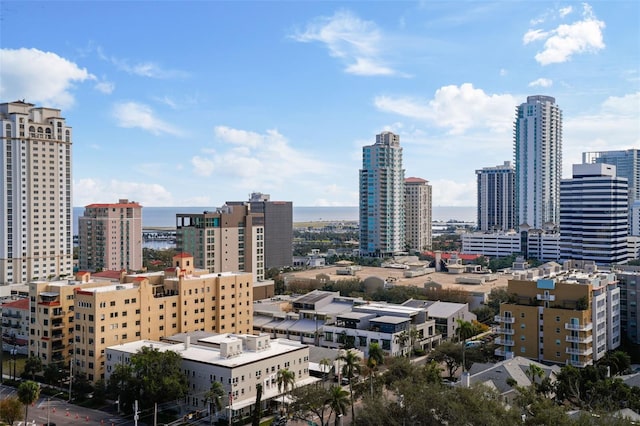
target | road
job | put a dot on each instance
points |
(63, 413)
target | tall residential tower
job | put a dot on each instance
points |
(382, 221)
(496, 198)
(35, 202)
(417, 213)
(538, 161)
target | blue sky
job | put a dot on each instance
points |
(195, 103)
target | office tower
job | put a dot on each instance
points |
(110, 236)
(35, 205)
(569, 317)
(627, 164)
(77, 320)
(229, 239)
(417, 211)
(382, 218)
(278, 228)
(593, 215)
(629, 280)
(538, 160)
(496, 198)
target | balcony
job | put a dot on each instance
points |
(580, 364)
(577, 339)
(505, 354)
(505, 342)
(578, 327)
(509, 331)
(546, 297)
(57, 324)
(576, 351)
(508, 320)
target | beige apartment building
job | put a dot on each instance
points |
(35, 194)
(231, 238)
(417, 213)
(572, 317)
(86, 316)
(110, 236)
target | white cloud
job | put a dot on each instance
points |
(614, 127)
(447, 192)
(202, 166)
(39, 77)
(503, 72)
(541, 82)
(355, 41)
(134, 114)
(565, 11)
(88, 191)
(561, 43)
(105, 87)
(456, 108)
(143, 69)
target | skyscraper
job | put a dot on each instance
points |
(593, 215)
(110, 236)
(496, 198)
(278, 228)
(417, 213)
(35, 201)
(538, 160)
(382, 221)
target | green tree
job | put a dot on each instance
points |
(338, 402)
(350, 367)
(32, 366)
(53, 374)
(310, 401)
(618, 362)
(28, 393)
(448, 353)
(286, 380)
(10, 410)
(432, 373)
(325, 365)
(257, 409)
(151, 377)
(464, 331)
(214, 397)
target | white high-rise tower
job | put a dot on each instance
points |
(382, 220)
(538, 161)
(35, 203)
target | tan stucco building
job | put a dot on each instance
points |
(86, 316)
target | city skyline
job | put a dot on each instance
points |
(219, 99)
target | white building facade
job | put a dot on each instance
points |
(36, 214)
(538, 161)
(382, 205)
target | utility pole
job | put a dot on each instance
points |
(155, 414)
(70, 377)
(230, 408)
(135, 413)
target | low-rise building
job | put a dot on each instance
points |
(15, 326)
(238, 361)
(445, 315)
(494, 244)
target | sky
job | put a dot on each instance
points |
(193, 103)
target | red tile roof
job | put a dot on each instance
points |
(415, 180)
(17, 304)
(446, 256)
(182, 255)
(108, 274)
(114, 205)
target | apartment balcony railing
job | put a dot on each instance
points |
(509, 331)
(581, 352)
(505, 354)
(508, 320)
(577, 339)
(58, 324)
(578, 327)
(505, 342)
(547, 297)
(580, 364)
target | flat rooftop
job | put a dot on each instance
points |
(396, 277)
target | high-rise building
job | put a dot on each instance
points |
(35, 202)
(417, 211)
(496, 198)
(229, 239)
(629, 280)
(538, 160)
(110, 236)
(382, 220)
(278, 228)
(594, 215)
(569, 316)
(77, 320)
(627, 164)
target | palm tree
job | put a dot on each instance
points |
(28, 393)
(351, 366)
(402, 339)
(286, 381)
(257, 411)
(376, 358)
(325, 365)
(214, 397)
(464, 331)
(338, 402)
(533, 371)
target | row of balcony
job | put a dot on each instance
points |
(577, 339)
(503, 353)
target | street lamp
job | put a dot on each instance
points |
(49, 405)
